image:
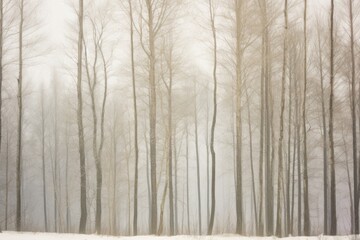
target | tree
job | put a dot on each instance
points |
(281, 137)
(83, 207)
(305, 156)
(197, 157)
(43, 158)
(136, 145)
(20, 121)
(353, 119)
(238, 5)
(157, 12)
(213, 124)
(325, 142)
(333, 222)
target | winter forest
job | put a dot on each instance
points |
(180, 117)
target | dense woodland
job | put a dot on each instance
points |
(167, 117)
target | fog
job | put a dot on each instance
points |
(131, 117)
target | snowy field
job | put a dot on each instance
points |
(55, 236)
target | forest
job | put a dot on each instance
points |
(180, 117)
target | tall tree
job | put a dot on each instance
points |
(197, 157)
(353, 121)
(238, 5)
(136, 146)
(213, 124)
(325, 142)
(305, 156)
(20, 121)
(83, 207)
(333, 222)
(281, 137)
(43, 157)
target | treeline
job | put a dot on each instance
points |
(180, 117)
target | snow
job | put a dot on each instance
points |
(57, 236)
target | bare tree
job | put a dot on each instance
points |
(20, 121)
(333, 222)
(83, 207)
(213, 124)
(353, 118)
(305, 156)
(136, 145)
(43, 157)
(281, 137)
(238, 5)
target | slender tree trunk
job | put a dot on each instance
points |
(197, 159)
(288, 176)
(176, 184)
(187, 179)
(353, 118)
(101, 145)
(213, 124)
(260, 231)
(170, 151)
(152, 105)
(239, 197)
(325, 144)
(252, 161)
(83, 214)
(67, 201)
(135, 120)
(305, 175)
(333, 223)
(281, 137)
(56, 163)
(20, 123)
(207, 160)
(148, 177)
(298, 157)
(115, 175)
(43, 159)
(7, 179)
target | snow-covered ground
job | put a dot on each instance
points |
(55, 236)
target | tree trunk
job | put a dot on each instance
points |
(135, 119)
(7, 180)
(333, 223)
(353, 118)
(325, 143)
(305, 175)
(152, 105)
(67, 202)
(170, 151)
(20, 123)
(252, 162)
(197, 158)
(43, 159)
(187, 179)
(281, 137)
(212, 148)
(239, 197)
(83, 214)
